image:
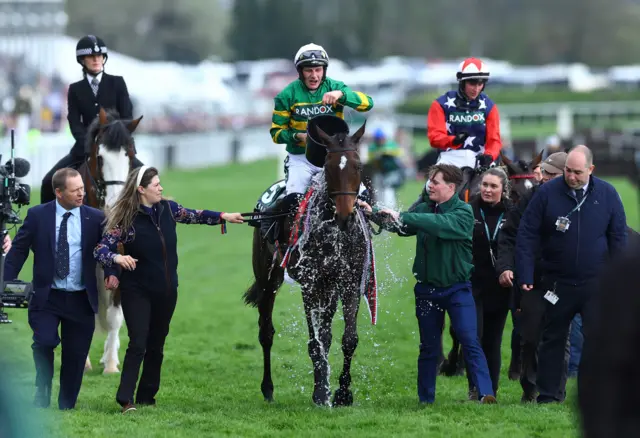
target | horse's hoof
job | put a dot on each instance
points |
(447, 369)
(111, 370)
(267, 392)
(322, 400)
(343, 398)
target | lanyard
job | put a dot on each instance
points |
(486, 227)
(577, 207)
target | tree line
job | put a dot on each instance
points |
(594, 32)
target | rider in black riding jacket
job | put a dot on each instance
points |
(96, 89)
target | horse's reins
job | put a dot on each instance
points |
(259, 216)
(101, 185)
(523, 176)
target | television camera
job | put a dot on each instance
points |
(16, 293)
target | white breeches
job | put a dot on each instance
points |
(300, 172)
(459, 158)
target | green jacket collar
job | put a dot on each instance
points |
(445, 206)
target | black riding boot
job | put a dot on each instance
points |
(272, 228)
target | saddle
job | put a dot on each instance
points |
(271, 203)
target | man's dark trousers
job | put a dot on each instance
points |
(73, 313)
(531, 317)
(552, 365)
(457, 300)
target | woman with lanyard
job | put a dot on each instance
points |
(492, 300)
(145, 223)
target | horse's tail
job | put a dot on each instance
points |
(268, 275)
(253, 295)
(108, 302)
(103, 299)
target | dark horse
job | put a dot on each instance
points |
(111, 156)
(521, 180)
(328, 259)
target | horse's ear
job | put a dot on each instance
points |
(134, 124)
(324, 136)
(537, 160)
(505, 160)
(359, 133)
(103, 117)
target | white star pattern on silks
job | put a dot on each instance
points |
(469, 141)
(483, 104)
(448, 127)
(451, 102)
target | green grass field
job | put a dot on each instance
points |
(213, 362)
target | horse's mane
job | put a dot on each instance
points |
(115, 134)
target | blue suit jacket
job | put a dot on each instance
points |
(38, 234)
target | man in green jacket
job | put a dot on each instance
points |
(443, 225)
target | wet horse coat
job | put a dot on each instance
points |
(331, 258)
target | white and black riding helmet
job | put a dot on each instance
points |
(90, 45)
(472, 69)
(311, 55)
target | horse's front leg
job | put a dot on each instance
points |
(110, 359)
(350, 306)
(319, 309)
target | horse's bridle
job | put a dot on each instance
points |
(337, 152)
(99, 183)
(523, 176)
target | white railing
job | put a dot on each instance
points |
(182, 151)
(200, 150)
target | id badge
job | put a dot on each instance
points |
(551, 297)
(562, 224)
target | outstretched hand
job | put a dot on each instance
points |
(234, 218)
(366, 207)
(391, 213)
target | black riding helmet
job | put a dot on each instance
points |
(90, 45)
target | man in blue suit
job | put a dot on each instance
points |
(62, 235)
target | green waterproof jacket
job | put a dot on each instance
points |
(444, 241)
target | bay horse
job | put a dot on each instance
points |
(330, 259)
(104, 173)
(521, 180)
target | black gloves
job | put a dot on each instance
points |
(460, 138)
(485, 160)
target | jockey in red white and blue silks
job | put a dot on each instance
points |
(464, 123)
